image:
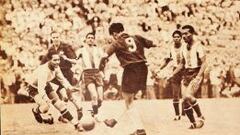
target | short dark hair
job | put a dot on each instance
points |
(53, 32)
(51, 52)
(90, 33)
(177, 32)
(115, 27)
(191, 29)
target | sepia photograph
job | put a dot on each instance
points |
(119, 67)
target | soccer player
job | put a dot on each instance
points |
(67, 59)
(90, 55)
(175, 81)
(129, 50)
(39, 86)
(194, 63)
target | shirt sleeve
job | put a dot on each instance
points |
(146, 43)
(101, 52)
(41, 81)
(169, 57)
(62, 79)
(182, 59)
(111, 49)
(69, 52)
(169, 54)
(79, 53)
(200, 51)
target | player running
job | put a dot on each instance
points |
(67, 59)
(39, 87)
(194, 63)
(89, 56)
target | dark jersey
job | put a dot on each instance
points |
(129, 49)
(68, 51)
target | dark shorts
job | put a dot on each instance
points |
(134, 77)
(34, 91)
(92, 76)
(68, 74)
(189, 75)
(177, 78)
(175, 83)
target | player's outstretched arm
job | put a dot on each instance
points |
(73, 61)
(178, 69)
(103, 63)
(165, 63)
(203, 66)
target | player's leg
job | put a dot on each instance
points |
(196, 108)
(193, 101)
(66, 95)
(182, 103)
(61, 107)
(99, 87)
(133, 113)
(176, 93)
(40, 112)
(134, 79)
(62, 94)
(76, 102)
(74, 99)
(182, 111)
(100, 95)
(94, 97)
(187, 97)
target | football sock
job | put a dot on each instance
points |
(95, 109)
(176, 106)
(183, 112)
(99, 103)
(196, 108)
(189, 112)
(67, 115)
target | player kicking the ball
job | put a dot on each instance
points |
(129, 50)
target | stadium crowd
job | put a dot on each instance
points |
(25, 27)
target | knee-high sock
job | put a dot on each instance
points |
(196, 108)
(183, 112)
(189, 112)
(176, 107)
(95, 105)
(95, 109)
(59, 105)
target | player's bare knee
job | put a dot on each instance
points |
(94, 98)
(193, 100)
(44, 108)
(55, 99)
(72, 99)
(186, 98)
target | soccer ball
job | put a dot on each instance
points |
(88, 123)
